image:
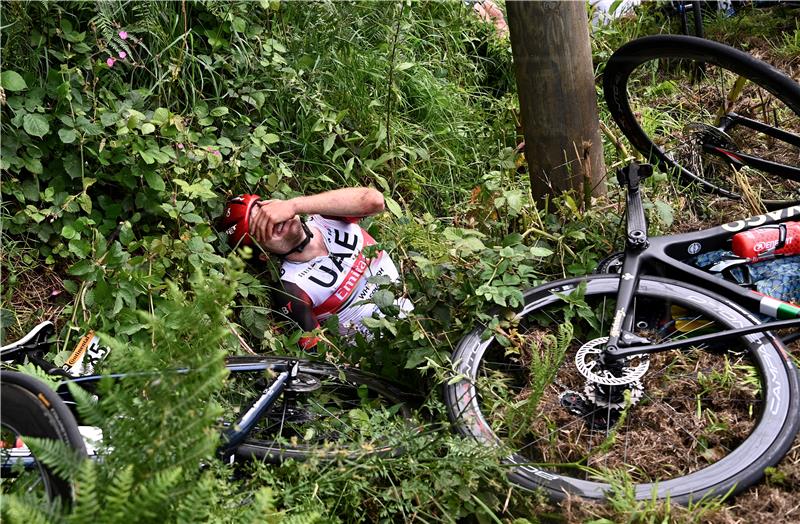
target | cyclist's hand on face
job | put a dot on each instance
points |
(267, 215)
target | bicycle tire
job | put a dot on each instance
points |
(647, 86)
(345, 388)
(31, 409)
(656, 447)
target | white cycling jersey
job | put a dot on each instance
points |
(337, 283)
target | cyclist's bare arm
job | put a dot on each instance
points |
(295, 304)
(345, 202)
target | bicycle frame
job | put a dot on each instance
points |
(741, 160)
(236, 432)
(661, 255)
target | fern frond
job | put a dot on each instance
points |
(88, 494)
(311, 517)
(87, 405)
(261, 509)
(118, 504)
(56, 454)
(29, 510)
(151, 495)
(199, 502)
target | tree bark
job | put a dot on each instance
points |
(558, 104)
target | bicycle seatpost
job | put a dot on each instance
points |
(629, 177)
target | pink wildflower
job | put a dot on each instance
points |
(180, 145)
(123, 54)
(216, 153)
(110, 61)
(123, 35)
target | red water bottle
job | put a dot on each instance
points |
(784, 239)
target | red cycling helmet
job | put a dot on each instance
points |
(235, 220)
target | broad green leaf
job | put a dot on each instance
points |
(192, 218)
(85, 202)
(328, 143)
(34, 165)
(270, 138)
(148, 128)
(393, 206)
(80, 247)
(82, 268)
(68, 231)
(154, 181)
(35, 125)
(160, 116)
(538, 251)
(30, 188)
(67, 136)
(219, 111)
(147, 157)
(12, 81)
(664, 211)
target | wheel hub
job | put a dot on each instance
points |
(304, 383)
(706, 134)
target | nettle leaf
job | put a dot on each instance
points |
(80, 247)
(35, 125)
(270, 138)
(383, 298)
(664, 211)
(148, 128)
(12, 81)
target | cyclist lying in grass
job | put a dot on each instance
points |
(324, 270)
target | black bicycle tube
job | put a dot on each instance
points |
(780, 134)
(740, 160)
(631, 55)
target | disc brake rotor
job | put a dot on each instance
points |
(588, 363)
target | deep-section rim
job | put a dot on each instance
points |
(461, 399)
(635, 53)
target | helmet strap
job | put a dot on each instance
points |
(303, 243)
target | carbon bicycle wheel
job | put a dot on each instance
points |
(31, 409)
(684, 424)
(328, 412)
(672, 95)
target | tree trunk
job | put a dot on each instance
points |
(558, 105)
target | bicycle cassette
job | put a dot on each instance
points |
(616, 399)
(588, 363)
